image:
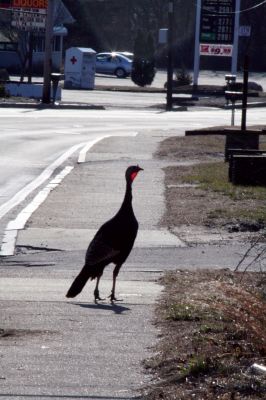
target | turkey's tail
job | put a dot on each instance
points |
(79, 282)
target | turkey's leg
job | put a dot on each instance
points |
(115, 273)
(96, 291)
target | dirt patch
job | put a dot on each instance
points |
(212, 331)
(13, 334)
(198, 192)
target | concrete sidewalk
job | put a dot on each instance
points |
(56, 348)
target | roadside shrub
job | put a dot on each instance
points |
(143, 66)
(143, 72)
(182, 78)
(3, 92)
(4, 75)
(183, 312)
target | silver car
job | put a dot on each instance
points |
(113, 64)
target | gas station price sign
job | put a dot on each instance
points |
(217, 21)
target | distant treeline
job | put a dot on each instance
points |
(115, 24)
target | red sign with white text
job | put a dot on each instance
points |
(30, 3)
(209, 49)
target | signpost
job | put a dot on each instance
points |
(236, 36)
(34, 15)
(169, 94)
(46, 96)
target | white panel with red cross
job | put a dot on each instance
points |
(73, 60)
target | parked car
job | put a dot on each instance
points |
(113, 64)
(126, 54)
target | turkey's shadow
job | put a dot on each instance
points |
(116, 308)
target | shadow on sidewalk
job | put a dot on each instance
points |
(116, 308)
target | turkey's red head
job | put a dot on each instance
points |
(132, 172)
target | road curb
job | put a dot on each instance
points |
(57, 106)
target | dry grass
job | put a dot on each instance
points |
(199, 148)
(212, 331)
(207, 179)
(212, 324)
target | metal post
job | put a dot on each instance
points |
(46, 97)
(245, 94)
(169, 100)
(30, 57)
(233, 114)
(197, 45)
(236, 35)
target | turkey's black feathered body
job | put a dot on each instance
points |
(112, 244)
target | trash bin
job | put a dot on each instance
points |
(55, 78)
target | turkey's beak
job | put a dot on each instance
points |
(140, 169)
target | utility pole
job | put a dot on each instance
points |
(31, 39)
(169, 99)
(46, 96)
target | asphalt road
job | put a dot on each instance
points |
(124, 100)
(34, 144)
(205, 78)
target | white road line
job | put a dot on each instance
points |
(24, 215)
(10, 236)
(86, 148)
(23, 193)
(11, 231)
(9, 243)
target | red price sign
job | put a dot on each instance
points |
(209, 49)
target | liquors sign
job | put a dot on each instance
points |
(30, 3)
(24, 4)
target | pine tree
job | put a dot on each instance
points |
(143, 66)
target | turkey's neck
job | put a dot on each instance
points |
(127, 202)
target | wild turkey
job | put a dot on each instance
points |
(111, 244)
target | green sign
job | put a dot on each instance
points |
(217, 21)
